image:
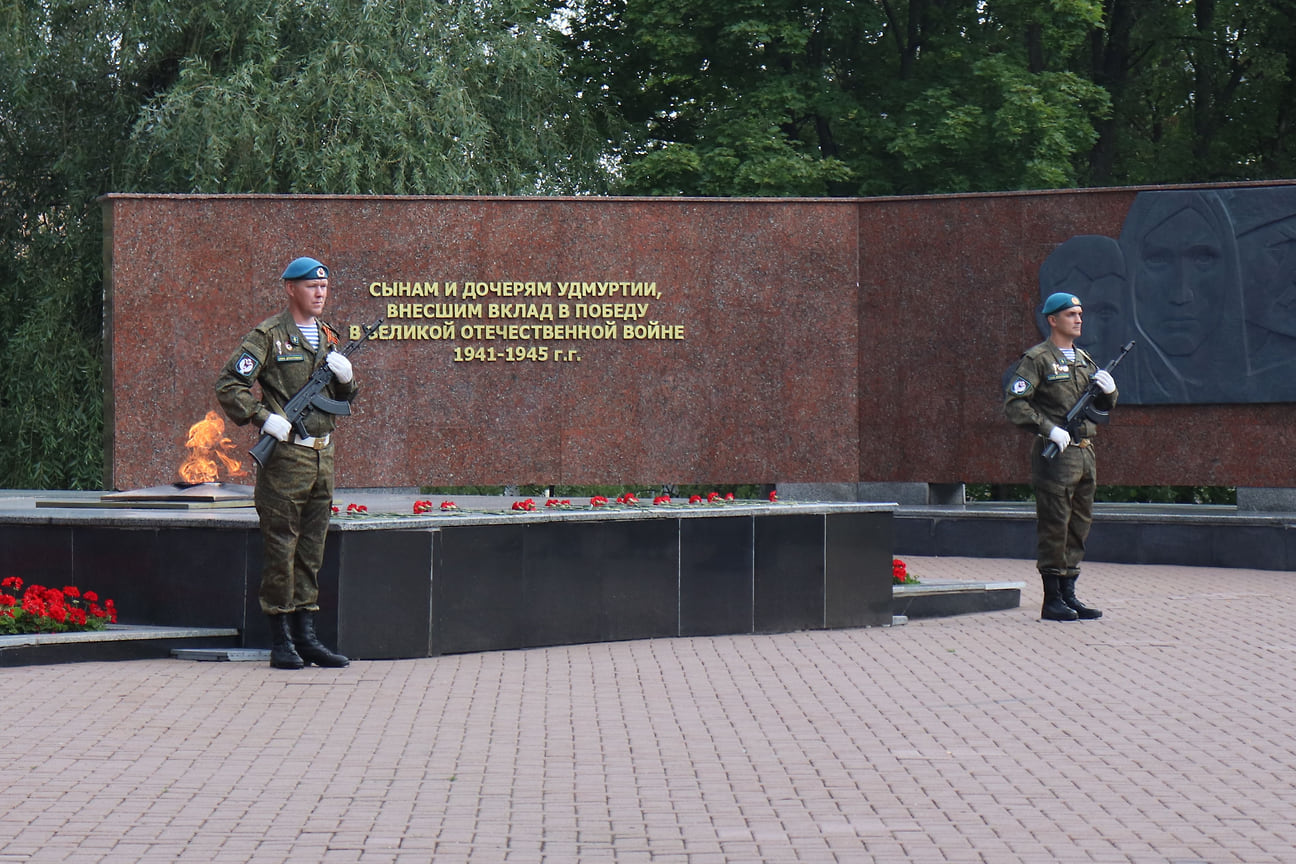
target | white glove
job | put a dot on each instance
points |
(1104, 380)
(277, 426)
(1060, 437)
(340, 366)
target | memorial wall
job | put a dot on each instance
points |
(610, 340)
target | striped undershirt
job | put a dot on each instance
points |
(311, 332)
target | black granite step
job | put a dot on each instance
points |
(942, 599)
(118, 642)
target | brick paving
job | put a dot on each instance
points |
(1160, 733)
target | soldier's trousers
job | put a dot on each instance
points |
(294, 500)
(1064, 493)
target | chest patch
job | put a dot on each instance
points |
(289, 358)
(1061, 372)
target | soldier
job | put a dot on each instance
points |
(1047, 381)
(294, 490)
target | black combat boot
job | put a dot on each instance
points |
(1055, 609)
(282, 653)
(1066, 584)
(309, 646)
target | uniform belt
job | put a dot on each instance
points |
(314, 443)
(1083, 442)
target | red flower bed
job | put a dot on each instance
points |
(48, 610)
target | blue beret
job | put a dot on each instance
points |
(305, 268)
(1058, 302)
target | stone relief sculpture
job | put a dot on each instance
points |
(1092, 267)
(1205, 282)
(1265, 224)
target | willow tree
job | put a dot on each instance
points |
(238, 96)
(393, 97)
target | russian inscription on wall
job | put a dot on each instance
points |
(535, 321)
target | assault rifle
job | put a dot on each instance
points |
(311, 398)
(1084, 408)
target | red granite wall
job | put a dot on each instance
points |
(742, 363)
(770, 340)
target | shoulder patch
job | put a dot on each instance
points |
(1020, 386)
(247, 365)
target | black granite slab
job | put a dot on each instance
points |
(789, 578)
(376, 599)
(601, 581)
(856, 545)
(716, 568)
(483, 606)
(183, 577)
(39, 554)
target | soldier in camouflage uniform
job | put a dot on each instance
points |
(1047, 381)
(294, 489)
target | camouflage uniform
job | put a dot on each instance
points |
(1037, 397)
(294, 490)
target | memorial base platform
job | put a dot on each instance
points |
(395, 584)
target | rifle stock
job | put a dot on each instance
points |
(310, 398)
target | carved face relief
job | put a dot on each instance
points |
(1181, 277)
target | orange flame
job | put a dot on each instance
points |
(209, 451)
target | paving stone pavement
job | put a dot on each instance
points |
(1160, 733)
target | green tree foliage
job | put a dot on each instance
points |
(59, 107)
(775, 97)
(1200, 91)
(1218, 495)
(239, 96)
(887, 96)
(375, 97)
